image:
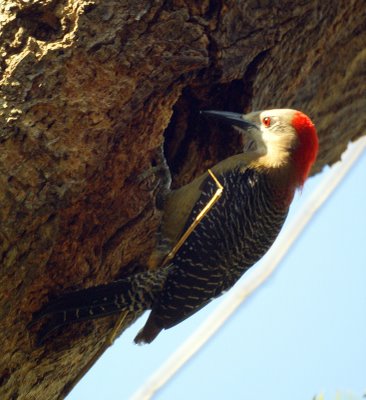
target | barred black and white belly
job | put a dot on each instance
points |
(233, 236)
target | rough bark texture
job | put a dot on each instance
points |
(90, 90)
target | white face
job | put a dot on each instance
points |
(279, 136)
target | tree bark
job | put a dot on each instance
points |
(90, 89)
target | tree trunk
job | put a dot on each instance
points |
(91, 89)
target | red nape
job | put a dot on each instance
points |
(305, 154)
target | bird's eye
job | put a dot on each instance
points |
(266, 121)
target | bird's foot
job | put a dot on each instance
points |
(161, 178)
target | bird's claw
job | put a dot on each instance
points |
(161, 178)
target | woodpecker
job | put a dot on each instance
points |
(258, 186)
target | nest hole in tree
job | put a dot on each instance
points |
(192, 143)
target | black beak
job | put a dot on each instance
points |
(230, 118)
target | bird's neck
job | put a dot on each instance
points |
(283, 185)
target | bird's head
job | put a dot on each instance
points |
(285, 139)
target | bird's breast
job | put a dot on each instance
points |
(237, 230)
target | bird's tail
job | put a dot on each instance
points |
(133, 294)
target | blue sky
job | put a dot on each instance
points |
(303, 332)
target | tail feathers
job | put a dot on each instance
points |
(133, 294)
(149, 332)
(62, 318)
(103, 295)
(87, 304)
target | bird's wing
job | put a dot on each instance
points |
(180, 203)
